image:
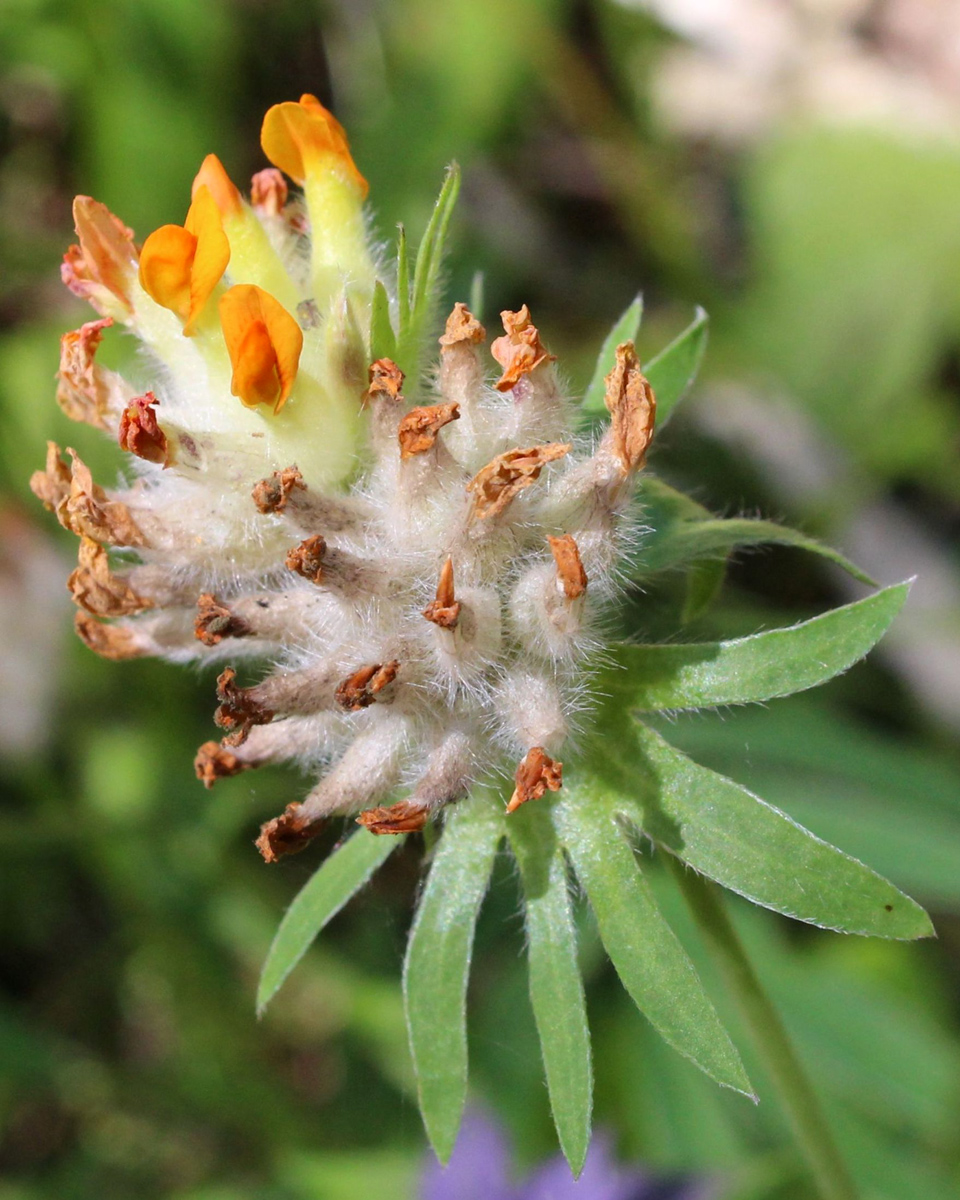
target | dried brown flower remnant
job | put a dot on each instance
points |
(633, 409)
(496, 484)
(237, 711)
(386, 380)
(363, 686)
(83, 388)
(115, 642)
(307, 558)
(445, 609)
(51, 485)
(462, 326)
(139, 432)
(537, 773)
(86, 510)
(570, 572)
(403, 817)
(418, 430)
(101, 267)
(520, 351)
(95, 588)
(289, 833)
(214, 762)
(271, 495)
(214, 621)
(268, 192)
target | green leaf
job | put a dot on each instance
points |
(383, 341)
(625, 330)
(704, 583)
(437, 964)
(673, 370)
(403, 283)
(737, 839)
(650, 961)
(754, 668)
(341, 875)
(556, 987)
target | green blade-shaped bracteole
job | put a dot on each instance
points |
(341, 875)
(737, 839)
(383, 341)
(750, 669)
(556, 987)
(672, 371)
(625, 330)
(649, 959)
(437, 964)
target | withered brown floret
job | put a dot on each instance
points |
(495, 485)
(386, 380)
(289, 833)
(307, 558)
(570, 572)
(633, 409)
(214, 621)
(363, 687)
(115, 642)
(445, 609)
(87, 511)
(51, 485)
(214, 762)
(96, 589)
(462, 326)
(237, 711)
(82, 386)
(403, 817)
(520, 350)
(417, 432)
(536, 774)
(139, 432)
(271, 495)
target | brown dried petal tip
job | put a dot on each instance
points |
(462, 326)
(445, 609)
(215, 762)
(95, 588)
(418, 430)
(496, 484)
(86, 510)
(570, 572)
(633, 409)
(237, 711)
(82, 389)
(289, 833)
(139, 432)
(364, 686)
(51, 485)
(115, 642)
(271, 495)
(535, 775)
(214, 622)
(307, 558)
(403, 817)
(386, 380)
(520, 351)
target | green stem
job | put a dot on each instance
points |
(807, 1121)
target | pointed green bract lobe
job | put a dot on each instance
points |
(342, 874)
(383, 341)
(625, 330)
(672, 371)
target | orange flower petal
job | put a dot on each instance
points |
(222, 188)
(212, 252)
(264, 343)
(301, 138)
(166, 262)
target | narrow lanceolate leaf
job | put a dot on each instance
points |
(556, 987)
(625, 330)
(737, 839)
(437, 965)
(649, 959)
(754, 668)
(673, 370)
(688, 540)
(403, 282)
(383, 341)
(343, 873)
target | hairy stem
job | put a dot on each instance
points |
(807, 1121)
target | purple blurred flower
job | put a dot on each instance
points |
(479, 1169)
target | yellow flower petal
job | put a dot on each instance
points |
(212, 252)
(166, 261)
(222, 188)
(264, 343)
(302, 138)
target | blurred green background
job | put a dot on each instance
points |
(793, 167)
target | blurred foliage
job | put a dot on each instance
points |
(135, 913)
